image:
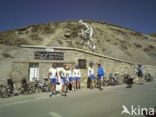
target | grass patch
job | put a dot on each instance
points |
(135, 33)
(138, 45)
(124, 47)
(119, 31)
(147, 49)
(6, 55)
(151, 47)
(35, 37)
(153, 34)
(60, 42)
(100, 31)
(13, 41)
(115, 43)
(108, 40)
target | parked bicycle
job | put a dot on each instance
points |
(12, 90)
(148, 77)
(114, 80)
(128, 80)
(40, 86)
(3, 91)
(25, 87)
(8, 90)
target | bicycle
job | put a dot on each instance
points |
(8, 90)
(25, 87)
(3, 91)
(148, 77)
(40, 86)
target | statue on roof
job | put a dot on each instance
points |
(87, 35)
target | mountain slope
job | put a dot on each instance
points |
(153, 34)
(111, 40)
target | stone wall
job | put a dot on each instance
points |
(20, 67)
(19, 70)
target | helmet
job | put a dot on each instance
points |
(76, 65)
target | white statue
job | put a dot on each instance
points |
(87, 34)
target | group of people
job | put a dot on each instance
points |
(66, 76)
(71, 77)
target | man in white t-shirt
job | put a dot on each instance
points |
(53, 78)
(91, 75)
(76, 76)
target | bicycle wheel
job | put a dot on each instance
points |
(32, 89)
(119, 81)
(21, 90)
(106, 82)
(29, 89)
(3, 92)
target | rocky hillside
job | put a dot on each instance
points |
(110, 40)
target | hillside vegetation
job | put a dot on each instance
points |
(153, 34)
(110, 40)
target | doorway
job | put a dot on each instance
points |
(33, 71)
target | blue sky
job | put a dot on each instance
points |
(138, 15)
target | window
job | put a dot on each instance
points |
(33, 71)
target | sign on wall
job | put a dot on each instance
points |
(82, 63)
(41, 55)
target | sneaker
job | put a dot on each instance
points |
(101, 88)
(68, 90)
(127, 87)
(78, 89)
(63, 94)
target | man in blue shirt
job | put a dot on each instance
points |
(100, 75)
(140, 74)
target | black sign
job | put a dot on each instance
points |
(82, 63)
(41, 55)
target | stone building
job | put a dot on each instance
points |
(36, 60)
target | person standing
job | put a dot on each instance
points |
(91, 76)
(69, 78)
(140, 73)
(100, 75)
(63, 79)
(53, 78)
(76, 76)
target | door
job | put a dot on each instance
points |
(33, 71)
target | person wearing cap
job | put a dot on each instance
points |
(91, 75)
(69, 77)
(63, 79)
(140, 73)
(76, 76)
(100, 75)
(53, 78)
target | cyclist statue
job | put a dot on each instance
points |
(87, 35)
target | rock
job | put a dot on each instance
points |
(67, 35)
